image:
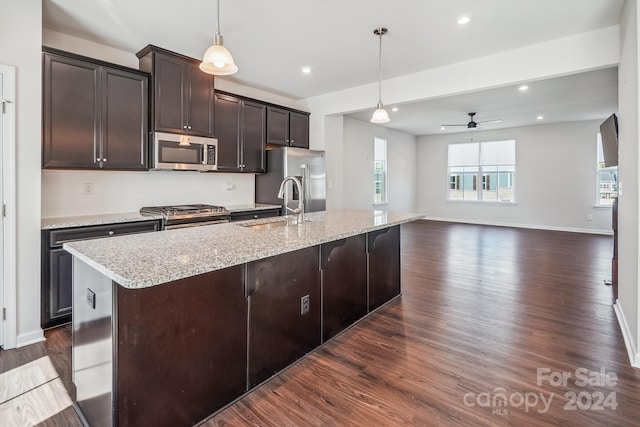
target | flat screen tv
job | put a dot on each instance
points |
(609, 137)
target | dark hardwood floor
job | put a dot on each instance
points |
(483, 309)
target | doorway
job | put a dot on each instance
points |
(7, 208)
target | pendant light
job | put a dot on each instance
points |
(217, 60)
(380, 115)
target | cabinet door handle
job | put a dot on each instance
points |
(97, 159)
(292, 141)
(104, 160)
(111, 233)
(184, 127)
(188, 127)
(255, 216)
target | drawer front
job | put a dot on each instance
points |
(58, 237)
(242, 216)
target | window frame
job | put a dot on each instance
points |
(479, 176)
(384, 182)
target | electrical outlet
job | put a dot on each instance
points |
(304, 304)
(91, 298)
(87, 188)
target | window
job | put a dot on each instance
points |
(482, 171)
(607, 179)
(379, 170)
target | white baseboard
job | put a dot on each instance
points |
(531, 226)
(32, 337)
(634, 356)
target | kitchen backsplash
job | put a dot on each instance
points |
(71, 193)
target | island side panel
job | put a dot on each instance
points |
(92, 350)
(181, 348)
(383, 248)
(279, 333)
(344, 284)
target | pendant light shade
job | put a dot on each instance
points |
(217, 59)
(380, 115)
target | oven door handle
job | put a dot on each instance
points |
(195, 224)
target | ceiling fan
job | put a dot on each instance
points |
(473, 124)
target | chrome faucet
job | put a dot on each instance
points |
(299, 211)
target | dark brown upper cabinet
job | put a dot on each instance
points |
(182, 95)
(287, 127)
(95, 115)
(241, 132)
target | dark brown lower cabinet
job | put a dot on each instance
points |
(182, 349)
(383, 248)
(344, 284)
(279, 332)
(56, 269)
(59, 297)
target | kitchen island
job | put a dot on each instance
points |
(170, 327)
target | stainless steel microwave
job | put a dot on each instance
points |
(184, 152)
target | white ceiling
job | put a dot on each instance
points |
(271, 40)
(586, 96)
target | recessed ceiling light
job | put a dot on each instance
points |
(442, 128)
(540, 117)
(523, 88)
(464, 19)
(306, 70)
(394, 109)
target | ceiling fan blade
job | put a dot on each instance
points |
(491, 121)
(465, 125)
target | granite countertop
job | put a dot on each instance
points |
(114, 218)
(251, 207)
(85, 220)
(149, 259)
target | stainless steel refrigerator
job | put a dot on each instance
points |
(307, 165)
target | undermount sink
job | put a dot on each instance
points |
(274, 223)
(266, 225)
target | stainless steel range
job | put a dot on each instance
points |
(181, 216)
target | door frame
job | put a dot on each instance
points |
(8, 261)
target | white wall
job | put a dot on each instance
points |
(62, 191)
(21, 38)
(333, 129)
(555, 179)
(358, 167)
(628, 280)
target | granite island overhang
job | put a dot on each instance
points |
(174, 325)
